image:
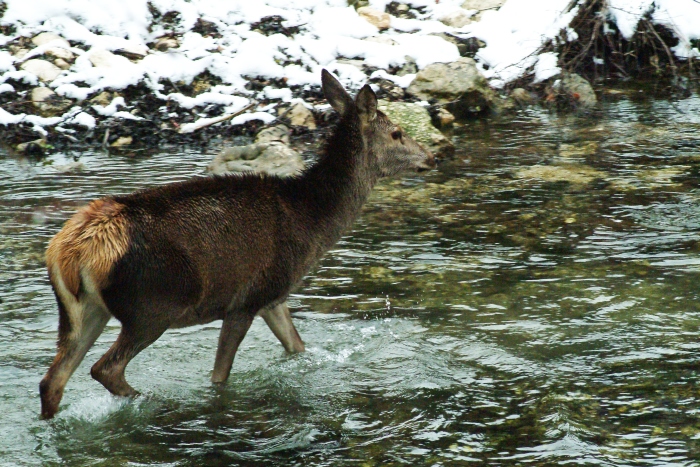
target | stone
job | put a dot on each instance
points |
(416, 121)
(481, 5)
(522, 96)
(273, 157)
(47, 37)
(165, 43)
(58, 52)
(62, 64)
(444, 118)
(37, 147)
(101, 58)
(375, 17)
(299, 115)
(459, 86)
(273, 133)
(381, 40)
(44, 70)
(18, 52)
(122, 141)
(578, 90)
(578, 174)
(408, 68)
(457, 18)
(104, 99)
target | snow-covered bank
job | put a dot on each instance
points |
(200, 59)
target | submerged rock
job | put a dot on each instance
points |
(573, 173)
(458, 85)
(416, 120)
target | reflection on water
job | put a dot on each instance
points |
(533, 302)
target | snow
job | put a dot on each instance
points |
(330, 35)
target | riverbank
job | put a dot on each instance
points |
(145, 73)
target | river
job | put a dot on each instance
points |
(532, 302)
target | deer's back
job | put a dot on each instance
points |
(197, 248)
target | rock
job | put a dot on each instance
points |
(47, 37)
(71, 167)
(45, 71)
(521, 96)
(415, 120)
(18, 52)
(133, 51)
(459, 86)
(58, 52)
(457, 18)
(273, 157)
(381, 40)
(122, 141)
(573, 173)
(48, 102)
(278, 133)
(578, 90)
(299, 115)
(481, 5)
(408, 68)
(36, 148)
(104, 99)
(62, 64)
(101, 58)
(443, 118)
(375, 17)
(166, 42)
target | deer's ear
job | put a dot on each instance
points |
(336, 95)
(366, 102)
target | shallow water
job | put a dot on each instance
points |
(534, 302)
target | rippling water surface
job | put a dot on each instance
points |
(533, 302)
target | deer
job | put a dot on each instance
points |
(227, 248)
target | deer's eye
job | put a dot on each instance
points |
(396, 134)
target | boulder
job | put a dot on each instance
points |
(275, 158)
(273, 133)
(459, 86)
(48, 102)
(269, 154)
(375, 17)
(45, 71)
(579, 91)
(415, 120)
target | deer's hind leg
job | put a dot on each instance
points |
(109, 370)
(279, 320)
(80, 324)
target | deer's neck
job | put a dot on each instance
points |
(332, 191)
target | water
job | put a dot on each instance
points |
(534, 302)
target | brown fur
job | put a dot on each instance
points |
(224, 248)
(92, 240)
